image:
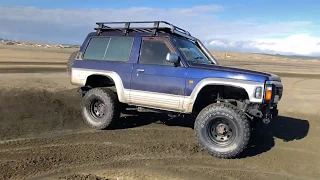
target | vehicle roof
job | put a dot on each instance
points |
(132, 34)
(128, 28)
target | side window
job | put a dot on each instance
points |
(109, 48)
(96, 48)
(119, 49)
(154, 51)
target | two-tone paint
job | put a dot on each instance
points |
(164, 87)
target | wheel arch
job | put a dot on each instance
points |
(99, 80)
(243, 85)
(83, 76)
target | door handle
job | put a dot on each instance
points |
(140, 70)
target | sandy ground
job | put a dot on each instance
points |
(42, 135)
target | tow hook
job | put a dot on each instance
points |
(266, 120)
(268, 116)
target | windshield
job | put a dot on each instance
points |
(191, 52)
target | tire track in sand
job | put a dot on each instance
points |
(294, 89)
(139, 165)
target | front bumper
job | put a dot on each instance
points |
(270, 108)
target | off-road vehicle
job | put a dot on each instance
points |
(165, 69)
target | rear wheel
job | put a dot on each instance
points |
(222, 130)
(100, 108)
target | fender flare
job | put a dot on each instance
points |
(80, 76)
(248, 86)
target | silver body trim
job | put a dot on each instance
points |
(165, 101)
(156, 100)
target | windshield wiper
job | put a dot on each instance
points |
(200, 57)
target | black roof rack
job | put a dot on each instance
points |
(104, 26)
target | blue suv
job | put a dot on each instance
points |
(165, 69)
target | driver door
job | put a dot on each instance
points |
(156, 82)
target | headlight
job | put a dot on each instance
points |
(258, 92)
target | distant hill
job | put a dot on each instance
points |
(37, 44)
(70, 44)
(293, 56)
(77, 46)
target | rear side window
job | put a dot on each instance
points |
(97, 48)
(109, 48)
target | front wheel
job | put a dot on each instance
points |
(222, 130)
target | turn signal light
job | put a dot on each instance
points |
(268, 93)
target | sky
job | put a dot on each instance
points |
(282, 27)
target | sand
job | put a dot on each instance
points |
(42, 134)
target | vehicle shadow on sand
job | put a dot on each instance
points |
(262, 138)
(282, 127)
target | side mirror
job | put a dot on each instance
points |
(172, 57)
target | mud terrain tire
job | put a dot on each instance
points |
(70, 62)
(226, 139)
(100, 108)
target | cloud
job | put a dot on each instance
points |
(298, 44)
(72, 25)
(58, 25)
(87, 16)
